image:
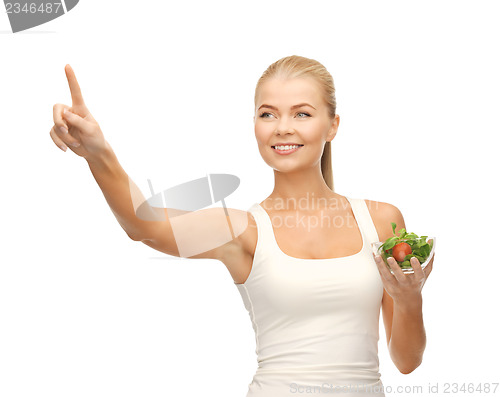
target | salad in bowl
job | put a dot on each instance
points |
(403, 246)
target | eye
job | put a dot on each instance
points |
(262, 115)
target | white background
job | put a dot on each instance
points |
(86, 311)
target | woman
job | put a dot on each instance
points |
(301, 259)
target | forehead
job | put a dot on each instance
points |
(289, 92)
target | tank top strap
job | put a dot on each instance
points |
(364, 219)
(265, 231)
(263, 249)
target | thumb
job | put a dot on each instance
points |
(75, 120)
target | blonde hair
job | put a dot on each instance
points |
(296, 66)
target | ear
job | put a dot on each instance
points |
(333, 128)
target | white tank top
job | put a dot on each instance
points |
(316, 321)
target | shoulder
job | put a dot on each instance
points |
(214, 233)
(244, 238)
(382, 215)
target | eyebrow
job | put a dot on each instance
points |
(293, 107)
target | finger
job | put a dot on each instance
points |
(398, 273)
(383, 269)
(58, 120)
(74, 120)
(76, 93)
(417, 267)
(68, 139)
(59, 143)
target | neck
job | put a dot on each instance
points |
(304, 189)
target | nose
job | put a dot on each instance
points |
(284, 126)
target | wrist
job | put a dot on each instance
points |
(409, 303)
(102, 158)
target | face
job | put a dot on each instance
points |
(292, 111)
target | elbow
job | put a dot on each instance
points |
(406, 371)
(409, 368)
(407, 361)
(134, 237)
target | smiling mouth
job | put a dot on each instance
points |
(274, 147)
(287, 149)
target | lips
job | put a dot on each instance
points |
(286, 144)
(286, 152)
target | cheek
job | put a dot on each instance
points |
(263, 134)
(312, 135)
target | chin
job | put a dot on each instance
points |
(290, 167)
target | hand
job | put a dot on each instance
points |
(74, 126)
(403, 288)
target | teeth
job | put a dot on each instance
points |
(287, 147)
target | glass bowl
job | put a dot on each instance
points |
(376, 250)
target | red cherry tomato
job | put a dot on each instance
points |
(399, 251)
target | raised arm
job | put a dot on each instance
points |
(209, 233)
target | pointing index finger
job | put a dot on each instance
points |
(76, 93)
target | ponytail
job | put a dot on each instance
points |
(326, 165)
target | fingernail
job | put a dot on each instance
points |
(65, 110)
(74, 144)
(63, 130)
(63, 148)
